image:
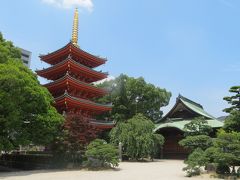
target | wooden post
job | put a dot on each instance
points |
(120, 151)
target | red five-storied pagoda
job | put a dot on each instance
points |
(72, 76)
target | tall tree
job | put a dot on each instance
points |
(26, 112)
(130, 96)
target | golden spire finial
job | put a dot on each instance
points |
(75, 28)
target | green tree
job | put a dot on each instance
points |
(195, 161)
(26, 112)
(198, 141)
(232, 122)
(198, 126)
(137, 137)
(234, 100)
(101, 154)
(130, 96)
(8, 50)
(226, 149)
(196, 134)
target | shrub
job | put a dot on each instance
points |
(195, 161)
(210, 167)
(193, 142)
(227, 150)
(100, 154)
(211, 153)
(222, 169)
(137, 137)
(238, 172)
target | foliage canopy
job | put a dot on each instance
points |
(26, 112)
(137, 137)
(227, 148)
(101, 154)
(8, 50)
(233, 100)
(232, 122)
(195, 161)
(196, 134)
(197, 126)
(130, 96)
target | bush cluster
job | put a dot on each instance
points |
(101, 155)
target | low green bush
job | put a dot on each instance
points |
(195, 161)
(101, 155)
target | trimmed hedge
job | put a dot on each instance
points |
(40, 161)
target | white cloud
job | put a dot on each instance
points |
(86, 4)
(109, 78)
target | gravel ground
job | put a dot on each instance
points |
(164, 169)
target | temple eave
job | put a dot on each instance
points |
(103, 126)
(70, 65)
(81, 103)
(71, 48)
(69, 82)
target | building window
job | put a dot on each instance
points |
(26, 62)
(25, 55)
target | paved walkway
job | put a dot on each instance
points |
(161, 170)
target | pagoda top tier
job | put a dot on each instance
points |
(76, 53)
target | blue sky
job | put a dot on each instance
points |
(191, 47)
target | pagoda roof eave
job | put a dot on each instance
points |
(67, 99)
(103, 124)
(66, 63)
(97, 60)
(72, 81)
